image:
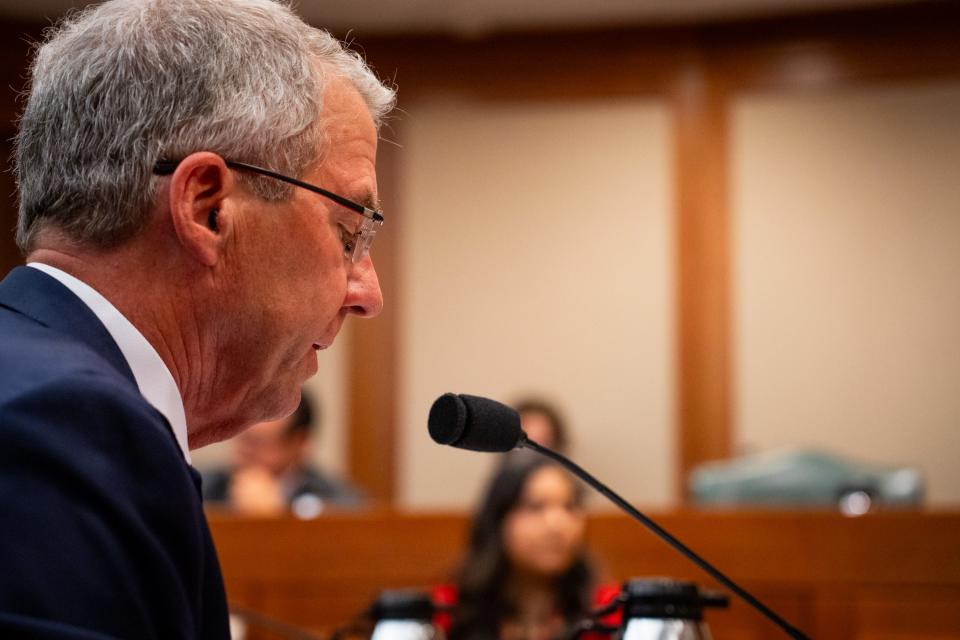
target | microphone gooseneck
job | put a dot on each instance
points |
(481, 424)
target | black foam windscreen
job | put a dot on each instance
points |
(474, 423)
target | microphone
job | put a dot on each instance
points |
(474, 423)
(481, 424)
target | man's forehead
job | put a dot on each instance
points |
(349, 141)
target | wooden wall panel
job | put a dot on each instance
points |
(703, 378)
(886, 575)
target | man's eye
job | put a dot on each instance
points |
(348, 239)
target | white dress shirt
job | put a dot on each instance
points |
(153, 378)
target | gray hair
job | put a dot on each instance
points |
(126, 83)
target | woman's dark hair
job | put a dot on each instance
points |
(552, 414)
(482, 604)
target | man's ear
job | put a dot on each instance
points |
(200, 216)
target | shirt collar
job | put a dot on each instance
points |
(152, 375)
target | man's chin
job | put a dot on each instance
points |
(214, 435)
(312, 365)
(276, 396)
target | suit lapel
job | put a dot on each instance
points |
(36, 295)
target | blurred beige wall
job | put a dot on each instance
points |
(846, 275)
(536, 257)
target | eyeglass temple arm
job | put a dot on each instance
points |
(167, 167)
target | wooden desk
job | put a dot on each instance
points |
(885, 576)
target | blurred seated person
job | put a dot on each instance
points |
(526, 575)
(543, 424)
(271, 473)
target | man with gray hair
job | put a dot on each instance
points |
(197, 201)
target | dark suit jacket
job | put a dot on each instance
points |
(102, 533)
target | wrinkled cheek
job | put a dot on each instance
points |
(329, 295)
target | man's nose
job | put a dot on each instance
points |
(364, 297)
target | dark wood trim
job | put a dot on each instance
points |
(372, 357)
(702, 258)
(14, 55)
(897, 44)
(531, 66)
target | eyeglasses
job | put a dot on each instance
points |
(359, 243)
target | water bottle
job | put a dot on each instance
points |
(665, 609)
(404, 615)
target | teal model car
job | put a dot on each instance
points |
(805, 478)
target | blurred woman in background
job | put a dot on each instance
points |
(525, 575)
(543, 423)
